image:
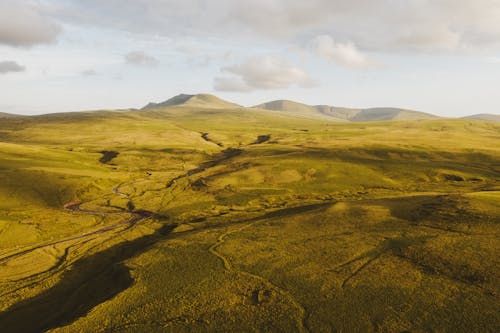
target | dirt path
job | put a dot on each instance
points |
(213, 249)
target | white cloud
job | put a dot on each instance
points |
(22, 24)
(231, 84)
(10, 67)
(382, 25)
(264, 72)
(140, 58)
(345, 54)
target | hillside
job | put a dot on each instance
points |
(8, 115)
(199, 100)
(383, 114)
(485, 117)
(346, 114)
(308, 111)
(207, 219)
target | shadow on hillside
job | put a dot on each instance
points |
(100, 277)
(91, 281)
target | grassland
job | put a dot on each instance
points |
(231, 219)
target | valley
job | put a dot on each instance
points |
(197, 214)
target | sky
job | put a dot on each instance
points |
(436, 56)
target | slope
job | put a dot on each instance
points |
(485, 117)
(345, 114)
(199, 100)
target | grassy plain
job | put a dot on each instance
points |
(198, 225)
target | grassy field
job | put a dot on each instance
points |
(243, 220)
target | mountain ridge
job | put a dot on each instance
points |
(484, 117)
(286, 107)
(347, 114)
(9, 115)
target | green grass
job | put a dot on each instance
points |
(349, 227)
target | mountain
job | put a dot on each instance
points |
(383, 114)
(485, 117)
(199, 100)
(296, 109)
(345, 114)
(307, 111)
(9, 115)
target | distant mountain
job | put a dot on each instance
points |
(199, 100)
(307, 111)
(382, 114)
(485, 116)
(296, 109)
(9, 115)
(345, 114)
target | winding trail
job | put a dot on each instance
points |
(102, 275)
(213, 249)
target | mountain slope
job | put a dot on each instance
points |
(199, 100)
(485, 117)
(382, 114)
(8, 115)
(308, 111)
(345, 114)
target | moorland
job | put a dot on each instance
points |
(197, 215)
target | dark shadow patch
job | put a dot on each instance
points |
(260, 296)
(91, 281)
(454, 178)
(108, 155)
(223, 156)
(205, 137)
(261, 139)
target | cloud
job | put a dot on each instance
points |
(345, 54)
(89, 72)
(381, 25)
(23, 24)
(140, 58)
(10, 67)
(231, 84)
(264, 72)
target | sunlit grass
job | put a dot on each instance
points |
(327, 226)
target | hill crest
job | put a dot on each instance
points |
(198, 100)
(484, 117)
(346, 114)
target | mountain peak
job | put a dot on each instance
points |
(198, 100)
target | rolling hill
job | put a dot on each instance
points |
(345, 114)
(8, 115)
(215, 218)
(485, 117)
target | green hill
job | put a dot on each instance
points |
(345, 114)
(384, 114)
(206, 217)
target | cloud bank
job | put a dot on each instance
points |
(262, 72)
(426, 26)
(345, 54)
